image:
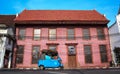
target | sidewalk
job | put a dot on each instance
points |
(36, 69)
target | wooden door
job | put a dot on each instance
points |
(72, 61)
(72, 57)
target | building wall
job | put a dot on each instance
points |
(2, 51)
(4, 46)
(114, 32)
(62, 47)
(114, 36)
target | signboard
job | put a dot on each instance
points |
(3, 31)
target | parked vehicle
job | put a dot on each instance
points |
(50, 59)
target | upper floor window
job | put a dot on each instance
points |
(88, 54)
(52, 34)
(86, 34)
(103, 53)
(100, 33)
(70, 34)
(19, 54)
(37, 33)
(21, 34)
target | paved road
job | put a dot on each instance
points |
(80, 71)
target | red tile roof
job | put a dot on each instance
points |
(7, 19)
(60, 15)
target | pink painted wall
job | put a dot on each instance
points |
(62, 48)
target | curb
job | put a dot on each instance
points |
(37, 69)
(19, 69)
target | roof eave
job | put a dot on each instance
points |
(62, 22)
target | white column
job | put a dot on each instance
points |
(2, 57)
(2, 50)
(9, 61)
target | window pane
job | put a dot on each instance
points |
(52, 34)
(35, 54)
(52, 47)
(88, 54)
(21, 35)
(70, 34)
(71, 31)
(101, 35)
(20, 49)
(19, 54)
(52, 31)
(86, 34)
(104, 58)
(103, 53)
(71, 37)
(71, 50)
(19, 59)
(36, 31)
(88, 58)
(37, 34)
(52, 37)
(36, 37)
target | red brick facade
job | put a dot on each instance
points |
(61, 42)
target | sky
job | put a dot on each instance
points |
(107, 7)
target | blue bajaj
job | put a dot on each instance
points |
(50, 59)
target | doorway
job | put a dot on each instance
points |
(72, 63)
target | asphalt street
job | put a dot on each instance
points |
(68, 71)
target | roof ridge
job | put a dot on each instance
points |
(55, 10)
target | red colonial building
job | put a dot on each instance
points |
(80, 37)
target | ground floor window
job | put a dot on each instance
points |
(88, 53)
(35, 54)
(103, 53)
(19, 54)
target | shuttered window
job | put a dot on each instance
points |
(37, 33)
(100, 32)
(88, 54)
(35, 54)
(103, 53)
(52, 34)
(86, 34)
(19, 54)
(21, 35)
(71, 34)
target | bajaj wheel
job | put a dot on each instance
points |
(61, 68)
(41, 67)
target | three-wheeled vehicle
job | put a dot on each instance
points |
(49, 59)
